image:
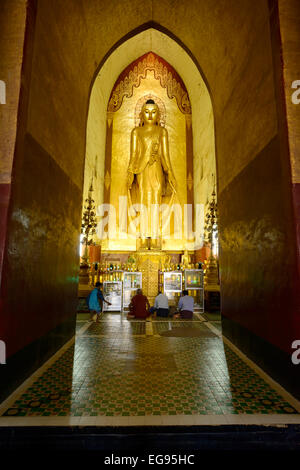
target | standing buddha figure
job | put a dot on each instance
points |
(149, 170)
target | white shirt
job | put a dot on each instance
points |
(161, 301)
(186, 303)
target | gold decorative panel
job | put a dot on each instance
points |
(124, 120)
(131, 78)
(149, 264)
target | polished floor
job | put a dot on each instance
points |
(158, 372)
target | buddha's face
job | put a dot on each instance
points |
(150, 114)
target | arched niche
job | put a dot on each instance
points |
(203, 149)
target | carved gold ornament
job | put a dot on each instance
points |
(135, 72)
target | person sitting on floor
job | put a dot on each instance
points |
(161, 305)
(139, 306)
(185, 306)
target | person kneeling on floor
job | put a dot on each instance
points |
(161, 305)
(139, 306)
(185, 306)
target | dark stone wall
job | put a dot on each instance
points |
(40, 269)
(25, 362)
(40, 275)
(258, 252)
(40, 222)
(4, 203)
(259, 259)
(296, 198)
(258, 266)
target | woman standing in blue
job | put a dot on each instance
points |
(95, 301)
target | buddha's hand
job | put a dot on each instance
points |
(154, 153)
(154, 150)
(130, 177)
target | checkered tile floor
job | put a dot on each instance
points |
(122, 368)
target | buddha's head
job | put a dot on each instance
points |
(150, 113)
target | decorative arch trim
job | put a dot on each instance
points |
(131, 78)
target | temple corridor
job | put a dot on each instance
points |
(126, 373)
(150, 175)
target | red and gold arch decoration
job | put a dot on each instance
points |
(131, 78)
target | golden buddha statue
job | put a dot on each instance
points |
(186, 260)
(150, 176)
(167, 263)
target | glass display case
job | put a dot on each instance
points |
(112, 291)
(173, 286)
(131, 282)
(194, 284)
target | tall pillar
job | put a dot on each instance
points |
(289, 23)
(12, 31)
(189, 165)
(42, 227)
(259, 219)
(108, 152)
